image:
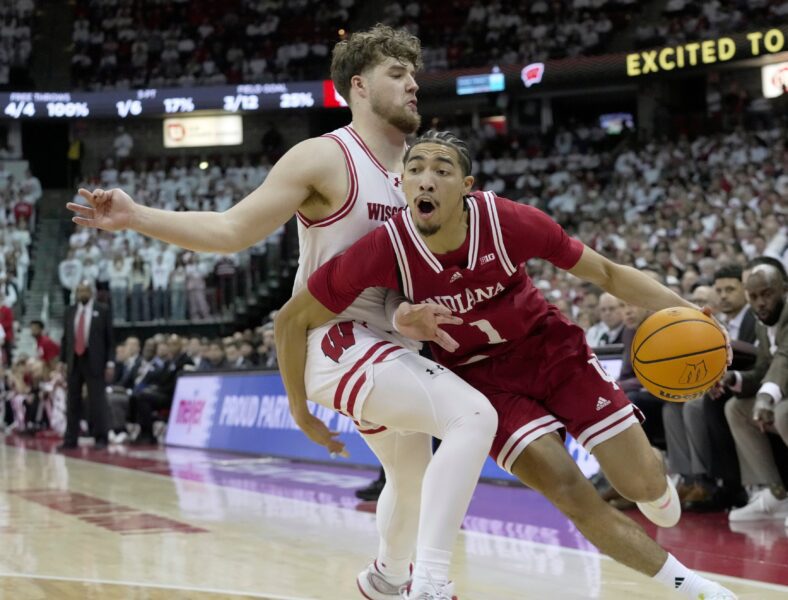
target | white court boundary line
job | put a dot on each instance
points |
(162, 586)
(577, 551)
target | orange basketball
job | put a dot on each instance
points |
(678, 354)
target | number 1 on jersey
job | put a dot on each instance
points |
(493, 337)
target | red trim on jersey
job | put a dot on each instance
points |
(613, 424)
(418, 243)
(401, 256)
(351, 403)
(352, 193)
(473, 232)
(526, 433)
(371, 431)
(346, 377)
(366, 149)
(498, 234)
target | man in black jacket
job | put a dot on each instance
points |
(86, 350)
(122, 385)
(157, 387)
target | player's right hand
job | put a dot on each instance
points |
(110, 210)
(421, 322)
(317, 431)
(709, 312)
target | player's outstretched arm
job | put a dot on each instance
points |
(302, 313)
(634, 287)
(304, 171)
(626, 283)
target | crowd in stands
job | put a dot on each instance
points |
(146, 280)
(140, 43)
(33, 388)
(681, 208)
(140, 386)
(685, 21)
(472, 33)
(18, 202)
(16, 42)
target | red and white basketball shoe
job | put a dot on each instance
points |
(374, 585)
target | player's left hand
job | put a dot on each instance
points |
(422, 322)
(317, 431)
(709, 312)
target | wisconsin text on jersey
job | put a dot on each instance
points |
(382, 212)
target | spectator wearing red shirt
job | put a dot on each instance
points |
(48, 349)
(23, 210)
(7, 321)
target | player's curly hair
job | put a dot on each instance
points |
(365, 49)
(445, 138)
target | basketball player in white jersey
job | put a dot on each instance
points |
(341, 186)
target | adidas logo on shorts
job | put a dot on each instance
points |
(602, 403)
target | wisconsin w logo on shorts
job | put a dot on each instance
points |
(338, 339)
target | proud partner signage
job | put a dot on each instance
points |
(249, 412)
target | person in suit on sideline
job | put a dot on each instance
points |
(86, 351)
(759, 405)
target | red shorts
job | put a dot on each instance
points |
(550, 381)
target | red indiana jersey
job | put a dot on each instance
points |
(481, 281)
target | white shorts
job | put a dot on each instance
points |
(339, 361)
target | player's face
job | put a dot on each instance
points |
(434, 187)
(392, 94)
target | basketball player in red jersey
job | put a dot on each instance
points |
(341, 186)
(462, 251)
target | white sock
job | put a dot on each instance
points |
(432, 567)
(681, 579)
(396, 570)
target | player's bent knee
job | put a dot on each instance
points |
(643, 487)
(484, 424)
(488, 419)
(478, 418)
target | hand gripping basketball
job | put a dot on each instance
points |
(680, 353)
(709, 312)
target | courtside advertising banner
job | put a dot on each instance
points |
(249, 413)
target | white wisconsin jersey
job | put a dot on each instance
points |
(374, 195)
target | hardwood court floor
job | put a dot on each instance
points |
(180, 524)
